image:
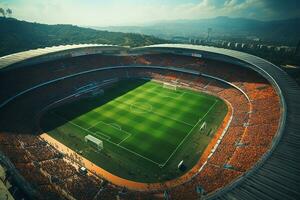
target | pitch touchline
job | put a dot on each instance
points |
(189, 133)
(108, 140)
(129, 134)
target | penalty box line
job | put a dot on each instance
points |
(160, 86)
(211, 107)
(152, 90)
(135, 153)
(123, 131)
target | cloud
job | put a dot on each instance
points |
(128, 12)
(281, 8)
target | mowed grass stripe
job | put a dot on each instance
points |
(136, 121)
(167, 108)
(104, 137)
(165, 123)
(146, 134)
(168, 104)
(114, 133)
(143, 123)
(164, 108)
(156, 113)
(200, 120)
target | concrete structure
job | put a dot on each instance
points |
(277, 175)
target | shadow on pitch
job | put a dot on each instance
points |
(59, 115)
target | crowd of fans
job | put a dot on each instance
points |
(52, 174)
(252, 128)
(256, 114)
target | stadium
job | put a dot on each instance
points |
(167, 121)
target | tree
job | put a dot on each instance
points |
(2, 11)
(9, 12)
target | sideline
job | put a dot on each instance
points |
(139, 186)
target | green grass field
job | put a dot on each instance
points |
(146, 129)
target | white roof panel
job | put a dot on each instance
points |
(21, 56)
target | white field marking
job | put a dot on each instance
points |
(151, 90)
(163, 95)
(70, 122)
(95, 124)
(103, 135)
(160, 165)
(190, 132)
(116, 125)
(110, 126)
(140, 112)
(167, 96)
(91, 132)
(187, 91)
(124, 139)
(123, 131)
(183, 93)
(171, 118)
(148, 159)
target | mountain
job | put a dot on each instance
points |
(18, 36)
(281, 31)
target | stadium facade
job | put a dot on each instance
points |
(276, 174)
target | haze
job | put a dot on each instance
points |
(138, 12)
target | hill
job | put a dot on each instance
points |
(281, 31)
(18, 36)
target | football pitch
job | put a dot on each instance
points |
(141, 120)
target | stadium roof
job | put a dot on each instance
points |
(277, 176)
(25, 55)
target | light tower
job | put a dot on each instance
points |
(209, 30)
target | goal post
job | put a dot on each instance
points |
(94, 141)
(170, 86)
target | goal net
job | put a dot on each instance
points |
(170, 86)
(94, 141)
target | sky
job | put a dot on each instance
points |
(141, 12)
